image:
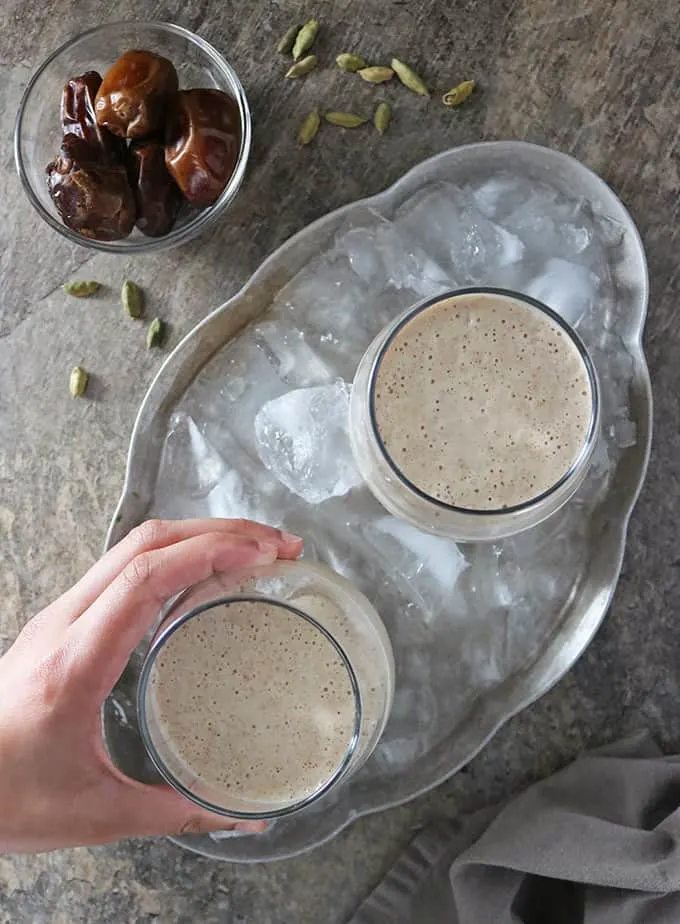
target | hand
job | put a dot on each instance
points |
(58, 787)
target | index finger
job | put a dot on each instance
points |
(111, 628)
(157, 534)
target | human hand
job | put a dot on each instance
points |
(58, 787)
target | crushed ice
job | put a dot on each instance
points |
(264, 427)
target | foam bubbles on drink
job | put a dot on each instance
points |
(482, 402)
(254, 702)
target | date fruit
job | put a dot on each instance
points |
(157, 197)
(94, 199)
(135, 93)
(78, 118)
(203, 144)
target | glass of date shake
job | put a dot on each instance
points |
(264, 689)
(474, 415)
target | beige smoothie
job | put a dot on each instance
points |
(482, 402)
(254, 701)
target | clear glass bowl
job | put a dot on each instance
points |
(403, 499)
(332, 607)
(37, 134)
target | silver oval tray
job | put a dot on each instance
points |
(479, 631)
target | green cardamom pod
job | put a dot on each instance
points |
(81, 289)
(285, 46)
(459, 94)
(351, 63)
(300, 68)
(409, 78)
(376, 74)
(155, 334)
(345, 119)
(381, 117)
(77, 382)
(305, 39)
(309, 127)
(132, 299)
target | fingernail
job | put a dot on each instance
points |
(291, 537)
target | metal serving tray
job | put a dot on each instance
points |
(479, 631)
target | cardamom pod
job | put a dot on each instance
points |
(81, 289)
(459, 94)
(77, 382)
(381, 117)
(300, 68)
(285, 45)
(155, 334)
(376, 74)
(345, 119)
(409, 78)
(351, 63)
(132, 299)
(309, 127)
(305, 39)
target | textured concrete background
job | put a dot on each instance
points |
(599, 79)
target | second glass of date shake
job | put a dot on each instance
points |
(475, 414)
(262, 689)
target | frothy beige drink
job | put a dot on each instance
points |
(254, 701)
(482, 401)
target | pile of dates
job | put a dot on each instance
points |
(135, 147)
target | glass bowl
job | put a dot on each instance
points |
(37, 133)
(401, 497)
(247, 667)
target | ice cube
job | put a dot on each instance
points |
(248, 380)
(615, 369)
(608, 231)
(427, 278)
(287, 348)
(326, 295)
(457, 236)
(501, 194)
(189, 463)
(237, 498)
(364, 256)
(302, 439)
(429, 564)
(384, 258)
(335, 308)
(568, 288)
(550, 224)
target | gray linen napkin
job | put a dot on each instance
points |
(597, 843)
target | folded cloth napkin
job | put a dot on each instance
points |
(597, 843)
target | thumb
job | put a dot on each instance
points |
(157, 810)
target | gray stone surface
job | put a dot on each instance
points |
(599, 80)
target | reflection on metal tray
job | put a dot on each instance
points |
(479, 631)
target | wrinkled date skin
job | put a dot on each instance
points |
(203, 144)
(78, 118)
(95, 200)
(157, 197)
(135, 93)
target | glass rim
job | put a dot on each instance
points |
(588, 442)
(158, 642)
(206, 217)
